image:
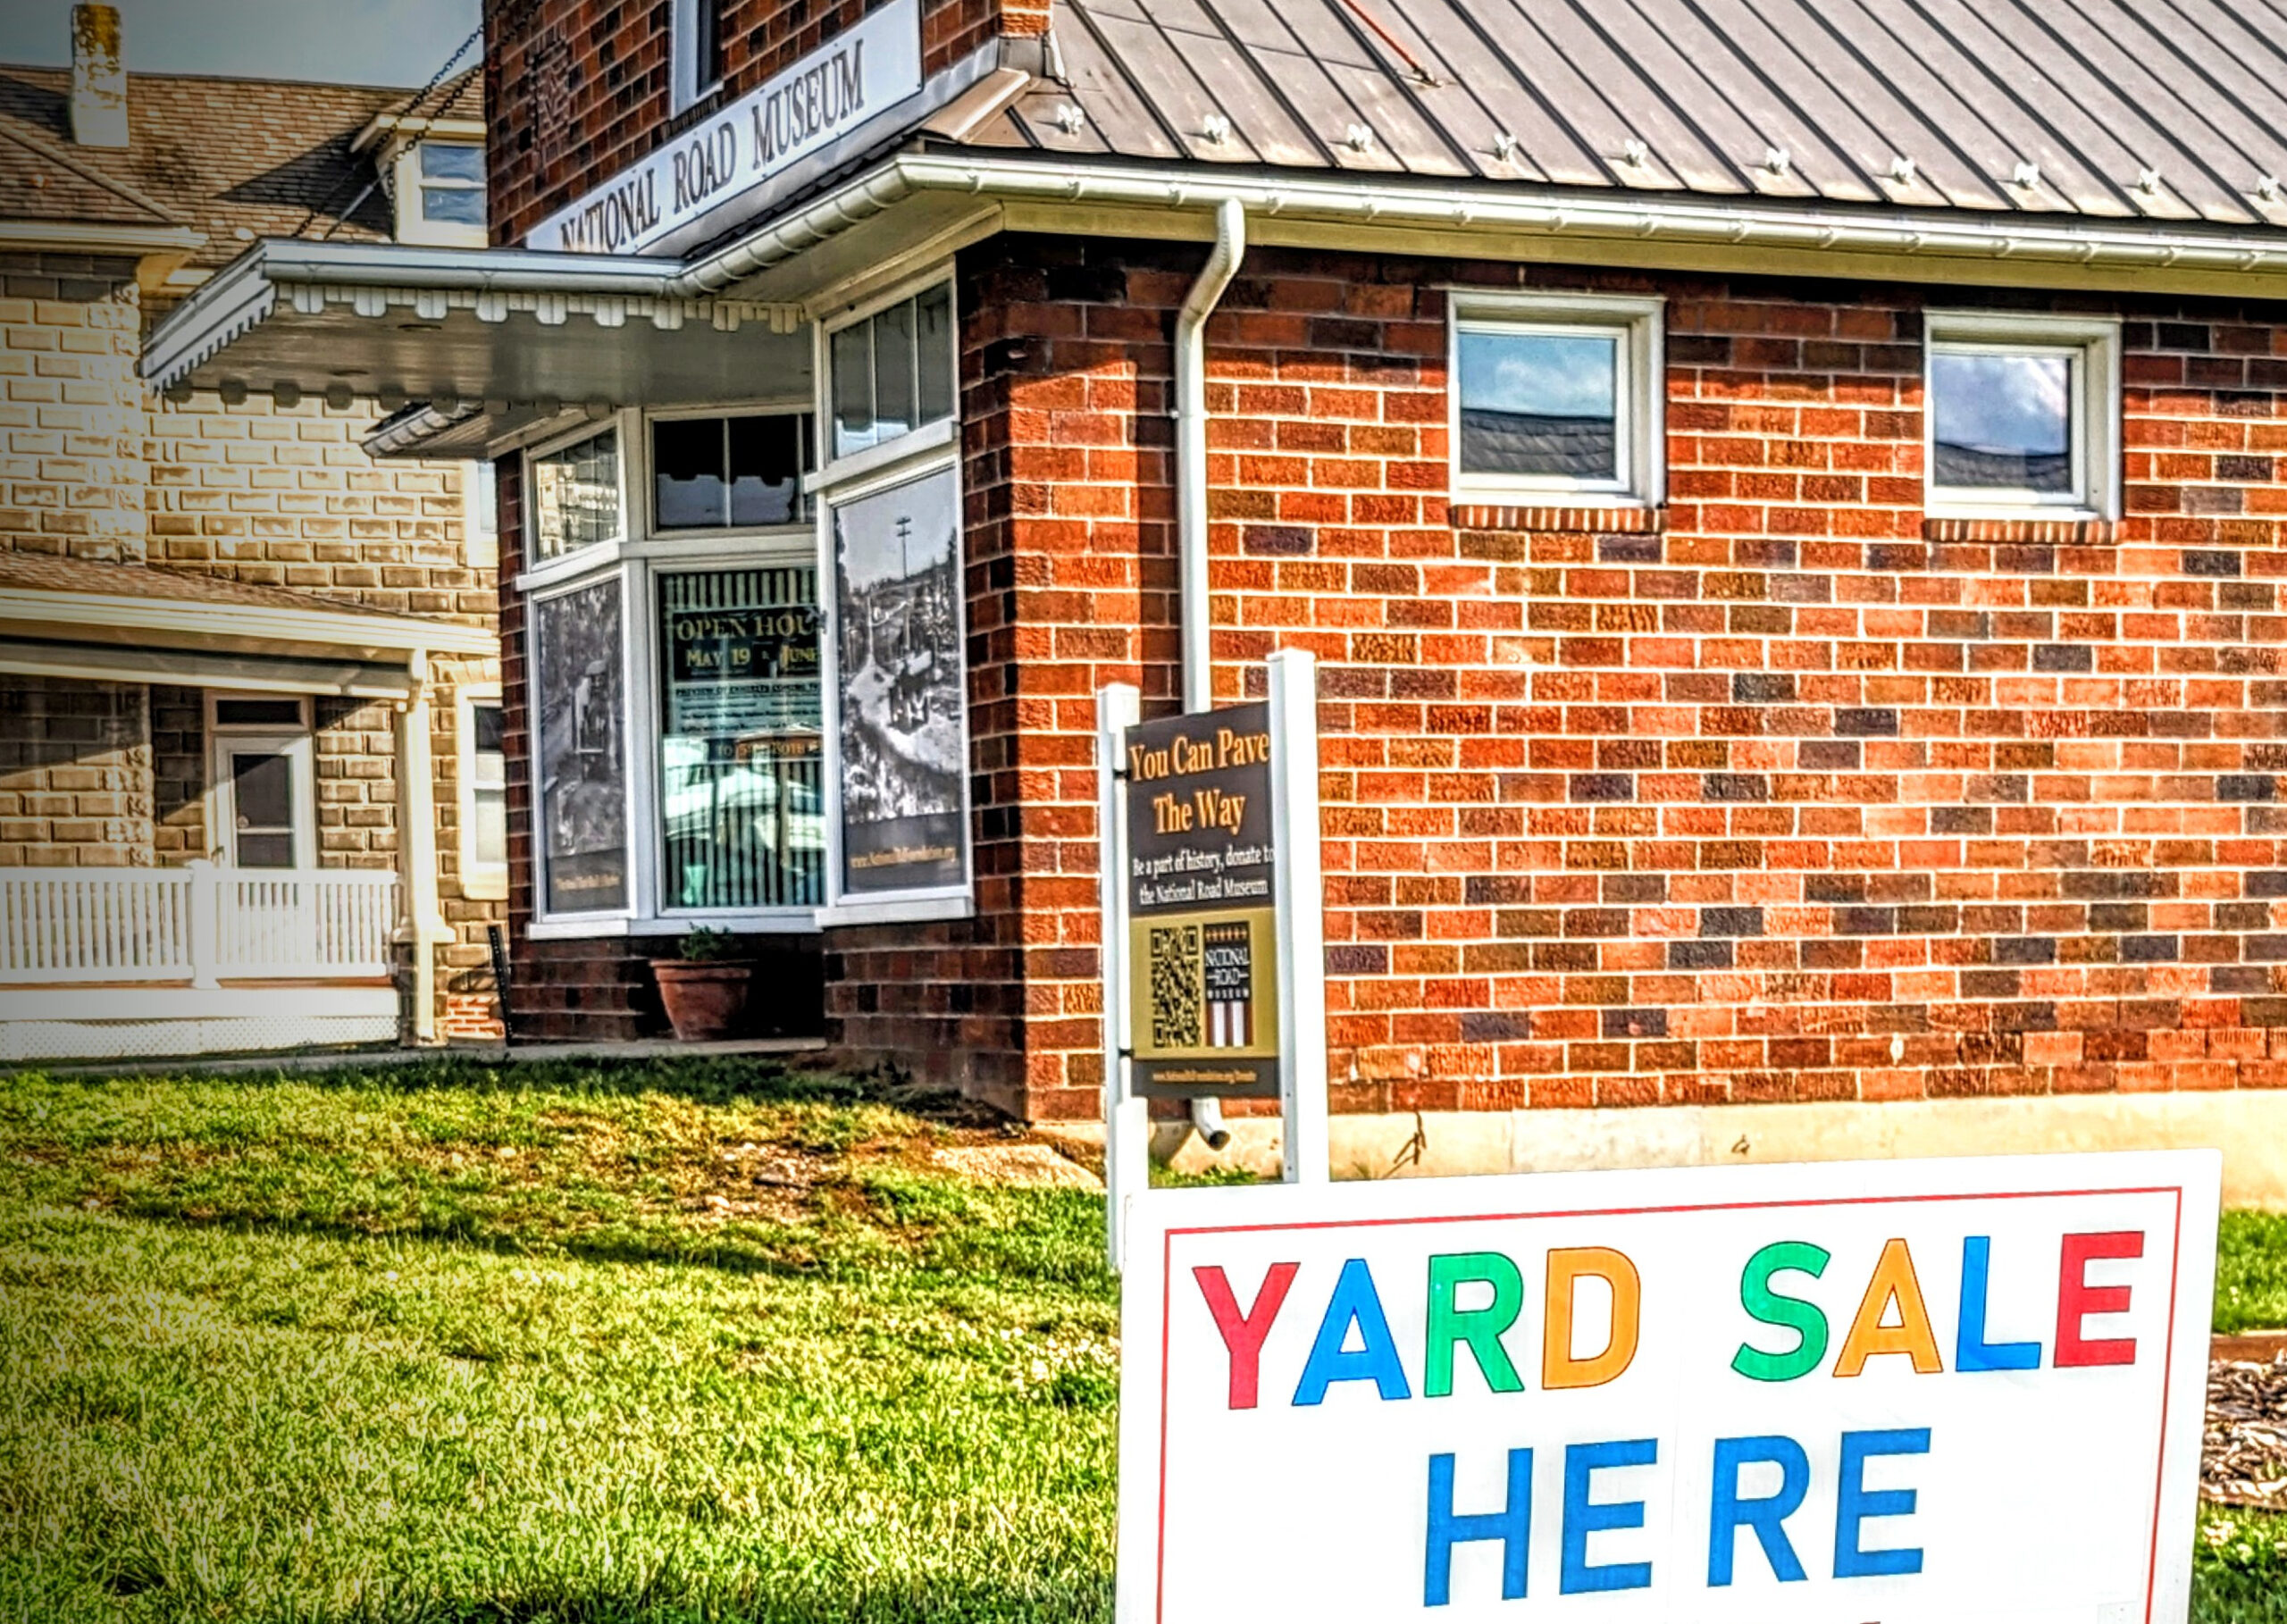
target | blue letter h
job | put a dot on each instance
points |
(1512, 1526)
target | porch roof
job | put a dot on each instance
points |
(125, 622)
(519, 335)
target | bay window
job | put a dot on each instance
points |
(577, 500)
(677, 743)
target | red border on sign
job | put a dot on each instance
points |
(1167, 1305)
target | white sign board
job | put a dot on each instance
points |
(850, 80)
(1922, 1393)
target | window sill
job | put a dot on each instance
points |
(892, 911)
(795, 922)
(1597, 518)
(2021, 530)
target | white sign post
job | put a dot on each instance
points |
(1297, 897)
(1961, 1392)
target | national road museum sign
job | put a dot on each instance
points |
(843, 85)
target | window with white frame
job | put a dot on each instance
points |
(1556, 399)
(2022, 415)
(485, 795)
(439, 189)
(728, 472)
(891, 573)
(676, 702)
(575, 496)
(893, 371)
(481, 514)
(695, 38)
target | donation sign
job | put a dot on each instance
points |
(1202, 921)
(1962, 1391)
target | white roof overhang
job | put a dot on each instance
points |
(489, 339)
(508, 332)
(121, 638)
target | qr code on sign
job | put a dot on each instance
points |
(1177, 995)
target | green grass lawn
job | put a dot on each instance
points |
(593, 1342)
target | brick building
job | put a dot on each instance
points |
(228, 630)
(1787, 509)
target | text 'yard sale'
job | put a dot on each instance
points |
(1907, 1391)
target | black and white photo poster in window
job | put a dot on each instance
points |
(900, 689)
(583, 750)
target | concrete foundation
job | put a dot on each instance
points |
(2250, 1128)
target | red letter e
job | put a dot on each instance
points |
(2076, 1299)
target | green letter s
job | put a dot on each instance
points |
(1806, 1319)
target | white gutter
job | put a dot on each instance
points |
(1496, 208)
(1191, 448)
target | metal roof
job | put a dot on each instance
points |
(2169, 111)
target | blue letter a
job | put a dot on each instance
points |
(1354, 1302)
(1511, 1525)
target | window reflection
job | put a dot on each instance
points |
(2002, 421)
(1540, 404)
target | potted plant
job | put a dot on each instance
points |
(703, 986)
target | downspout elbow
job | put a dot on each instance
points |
(1191, 445)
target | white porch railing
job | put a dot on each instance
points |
(200, 923)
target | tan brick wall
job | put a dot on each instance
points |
(71, 467)
(75, 774)
(284, 496)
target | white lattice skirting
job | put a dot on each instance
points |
(145, 1023)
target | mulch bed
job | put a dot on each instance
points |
(2243, 1456)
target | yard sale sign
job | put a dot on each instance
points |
(1917, 1393)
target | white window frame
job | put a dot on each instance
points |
(2092, 344)
(655, 533)
(294, 740)
(917, 453)
(635, 560)
(412, 223)
(539, 574)
(479, 514)
(481, 882)
(1640, 396)
(685, 90)
(942, 435)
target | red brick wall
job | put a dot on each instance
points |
(577, 90)
(1791, 800)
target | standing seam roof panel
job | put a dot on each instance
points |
(1651, 96)
(2231, 148)
(1719, 84)
(1993, 81)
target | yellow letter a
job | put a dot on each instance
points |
(1894, 1281)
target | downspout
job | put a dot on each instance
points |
(1190, 446)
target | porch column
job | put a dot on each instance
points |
(423, 924)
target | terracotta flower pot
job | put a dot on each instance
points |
(705, 1000)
